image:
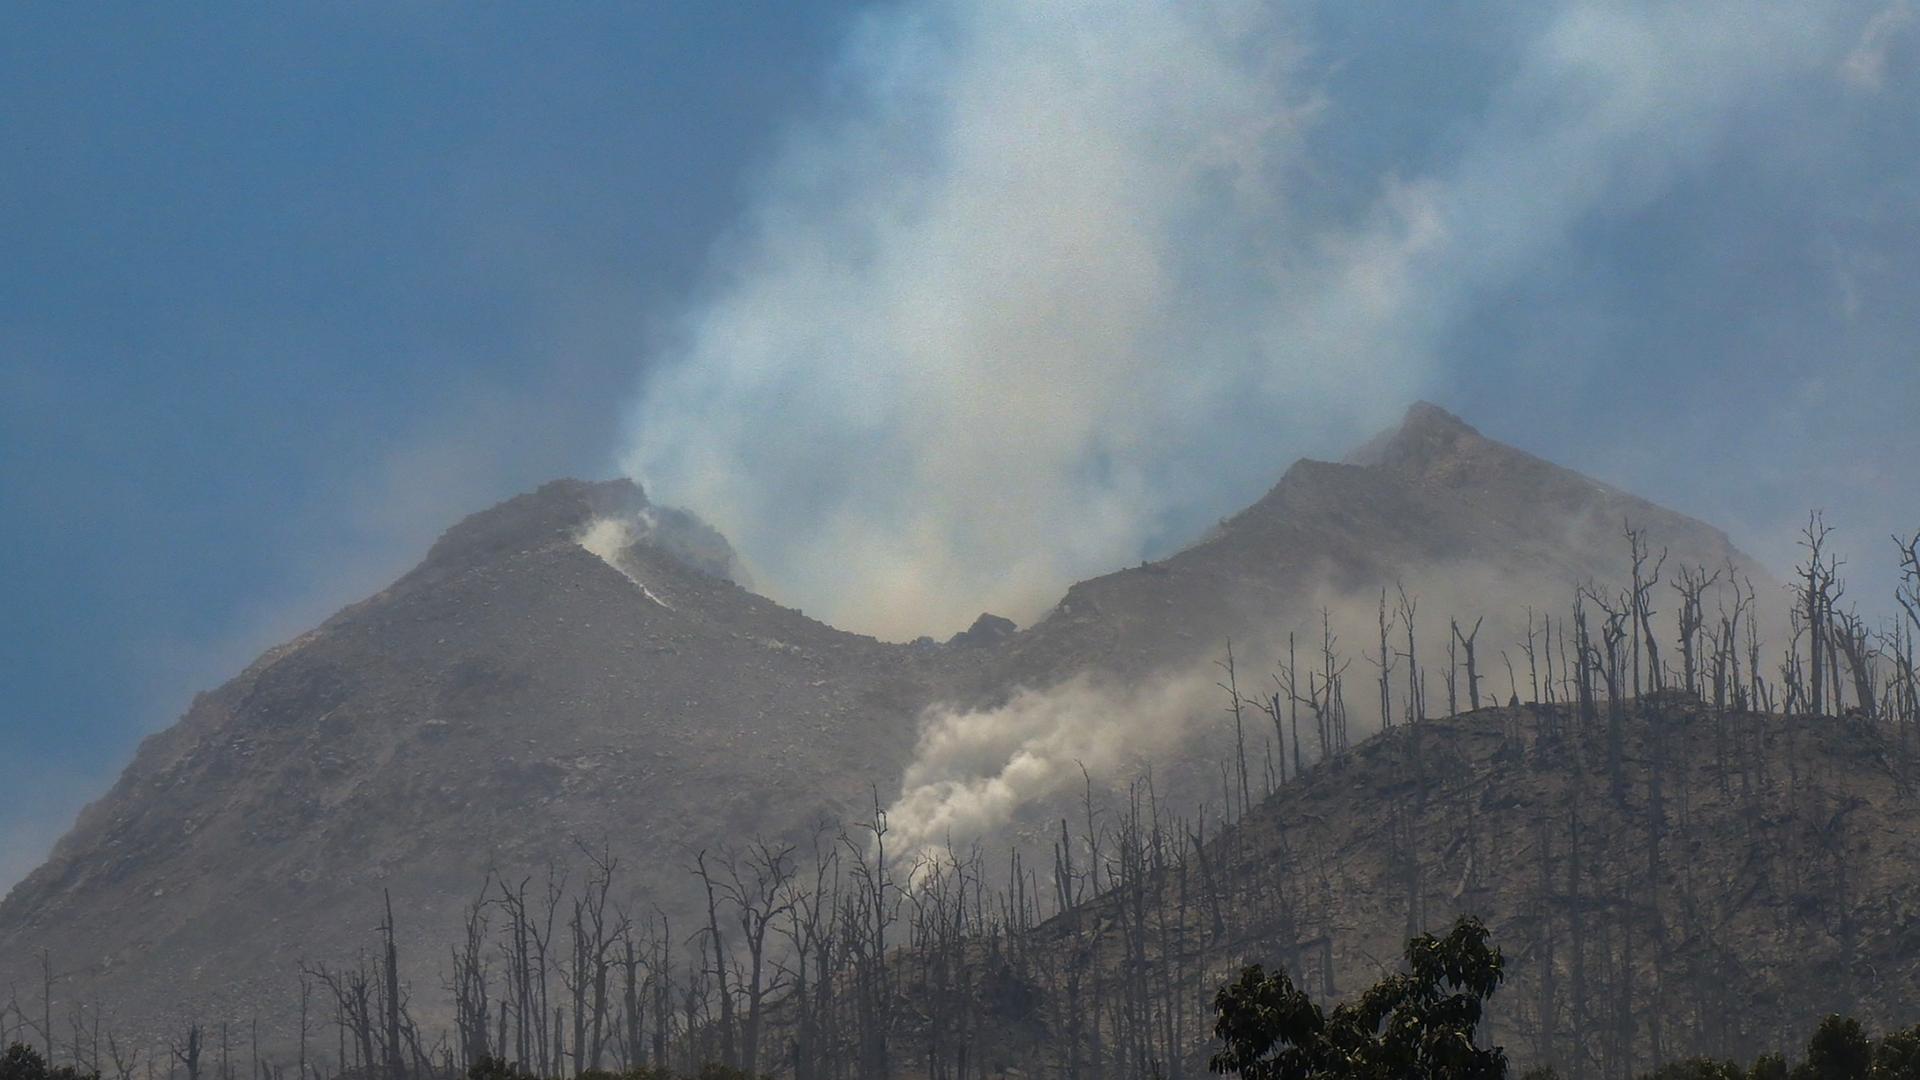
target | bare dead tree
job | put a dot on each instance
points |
(1692, 584)
(1724, 639)
(1332, 702)
(873, 908)
(1853, 640)
(1901, 638)
(595, 927)
(716, 942)
(517, 945)
(1908, 591)
(46, 1001)
(469, 983)
(1817, 577)
(1533, 661)
(1293, 704)
(1607, 664)
(353, 1010)
(1584, 665)
(124, 1061)
(758, 888)
(306, 998)
(1092, 835)
(1416, 703)
(812, 937)
(1384, 661)
(390, 975)
(186, 1053)
(660, 978)
(1234, 706)
(1473, 672)
(1453, 669)
(541, 934)
(1762, 696)
(1640, 608)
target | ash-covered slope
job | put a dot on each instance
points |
(512, 694)
(1471, 526)
(1746, 875)
(1472, 529)
(518, 692)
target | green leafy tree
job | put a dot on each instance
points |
(1415, 1026)
(1838, 1050)
(22, 1062)
(1897, 1056)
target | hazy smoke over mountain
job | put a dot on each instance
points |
(1045, 285)
(973, 769)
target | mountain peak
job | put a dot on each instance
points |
(1427, 433)
(554, 511)
(513, 690)
(1426, 416)
(988, 629)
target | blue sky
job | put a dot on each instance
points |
(286, 290)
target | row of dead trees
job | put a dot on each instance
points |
(839, 958)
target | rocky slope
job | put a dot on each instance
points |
(513, 694)
(1472, 525)
(1749, 875)
(518, 693)
(1472, 528)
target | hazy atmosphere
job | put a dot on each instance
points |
(412, 259)
(929, 308)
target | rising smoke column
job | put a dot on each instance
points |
(956, 354)
(974, 768)
(1038, 287)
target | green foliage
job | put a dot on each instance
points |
(1415, 1026)
(1897, 1056)
(1839, 1050)
(1421, 1025)
(22, 1062)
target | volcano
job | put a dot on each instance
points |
(580, 666)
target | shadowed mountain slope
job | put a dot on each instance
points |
(1474, 525)
(1749, 874)
(511, 694)
(518, 693)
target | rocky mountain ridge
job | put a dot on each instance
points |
(518, 693)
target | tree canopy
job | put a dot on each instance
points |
(1419, 1025)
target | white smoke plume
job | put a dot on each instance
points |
(609, 538)
(1046, 285)
(973, 770)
